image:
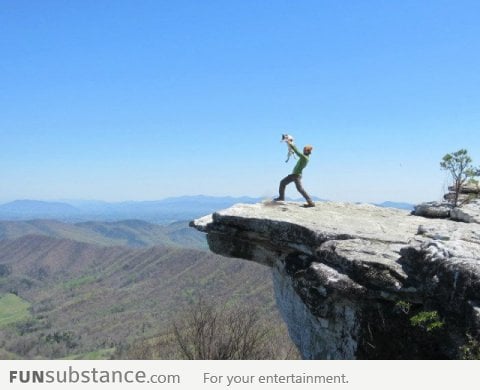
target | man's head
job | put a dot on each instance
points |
(307, 150)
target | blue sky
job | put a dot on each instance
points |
(141, 100)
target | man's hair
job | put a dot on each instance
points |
(308, 148)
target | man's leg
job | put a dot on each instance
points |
(283, 184)
(298, 184)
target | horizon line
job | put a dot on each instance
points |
(67, 201)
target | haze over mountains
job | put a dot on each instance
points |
(80, 283)
(161, 211)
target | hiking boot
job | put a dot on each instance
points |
(309, 204)
(279, 199)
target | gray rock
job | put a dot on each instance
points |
(468, 188)
(469, 212)
(342, 273)
(433, 210)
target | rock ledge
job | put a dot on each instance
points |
(345, 275)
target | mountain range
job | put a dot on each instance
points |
(132, 233)
(102, 289)
(396, 205)
(162, 211)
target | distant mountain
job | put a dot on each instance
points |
(396, 205)
(161, 211)
(23, 209)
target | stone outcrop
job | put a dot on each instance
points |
(469, 193)
(433, 210)
(359, 281)
(469, 212)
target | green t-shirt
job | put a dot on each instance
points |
(301, 163)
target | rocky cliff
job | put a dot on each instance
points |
(359, 281)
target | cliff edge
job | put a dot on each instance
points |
(356, 281)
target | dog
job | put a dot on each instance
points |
(288, 139)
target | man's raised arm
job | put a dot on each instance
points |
(296, 150)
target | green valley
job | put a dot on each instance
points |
(62, 297)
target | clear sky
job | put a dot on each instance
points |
(140, 100)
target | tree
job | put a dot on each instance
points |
(206, 330)
(211, 333)
(459, 164)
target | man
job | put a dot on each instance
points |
(296, 175)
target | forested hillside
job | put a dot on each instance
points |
(78, 299)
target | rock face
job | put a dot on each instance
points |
(433, 210)
(469, 212)
(465, 212)
(359, 281)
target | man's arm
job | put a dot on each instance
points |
(296, 150)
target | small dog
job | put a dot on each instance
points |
(287, 139)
